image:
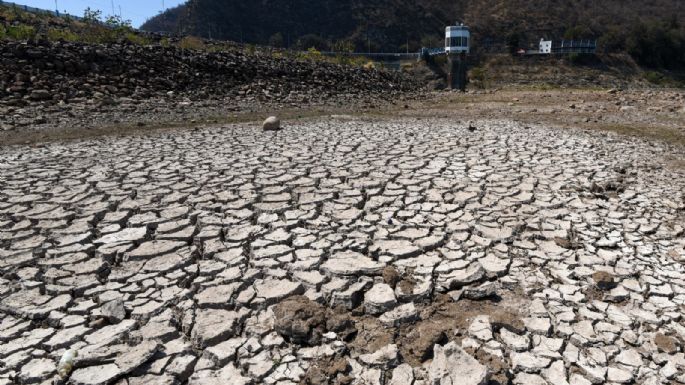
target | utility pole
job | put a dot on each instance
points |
(113, 11)
(120, 12)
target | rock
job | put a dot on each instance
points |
(271, 291)
(37, 370)
(665, 343)
(486, 290)
(452, 365)
(420, 340)
(95, 375)
(136, 356)
(402, 375)
(215, 325)
(351, 263)
(400, 315)
(384, 357)
(40, 95)
(114, 311)
(391, 276)
(528, 362)
(300, 320)
(379, 298)
(481, 328)
(271, 123)
(603, 280)
(514, 341)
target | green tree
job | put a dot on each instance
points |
(92, 16)
(613, 40)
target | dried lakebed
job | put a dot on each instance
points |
(343, 250)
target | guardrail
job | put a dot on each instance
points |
(26, 8)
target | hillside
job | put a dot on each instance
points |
(397, 25)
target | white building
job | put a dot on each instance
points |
(457, 39)
(545, 46)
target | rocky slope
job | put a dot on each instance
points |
(38, 79)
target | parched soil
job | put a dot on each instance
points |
(353, 248)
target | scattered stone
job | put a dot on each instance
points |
(604, 280)
(114, 311)
(271, 123)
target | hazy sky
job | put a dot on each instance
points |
(135, 10)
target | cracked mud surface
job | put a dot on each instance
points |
(343, 250)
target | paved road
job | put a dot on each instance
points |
(396, 252)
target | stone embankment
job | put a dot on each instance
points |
(59, 83)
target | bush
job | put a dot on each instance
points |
(312, 54)
(92, 16)
(21, 32)
(191, 42)
(55, 34)
(3, 34)
(137, 39)
(613, 40)
(479, 77)
(369, 65)
(654, 77)
(345, 46)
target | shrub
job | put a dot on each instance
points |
(21, 32)
(343, 46)
(3, 34)
(654, 77)
(191, 42)
(137, 39)
(55, 34)
(314, 54)
(479, 77)
(92, 16)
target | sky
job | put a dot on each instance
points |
(135, 10)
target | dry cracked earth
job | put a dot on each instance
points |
(345, 251)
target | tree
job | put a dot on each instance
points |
(92, 16)
(613, 40)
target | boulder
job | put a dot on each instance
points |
(271, 123)
(114, 311)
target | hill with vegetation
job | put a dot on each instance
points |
(651, 31)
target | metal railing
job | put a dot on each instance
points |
(40, 11)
